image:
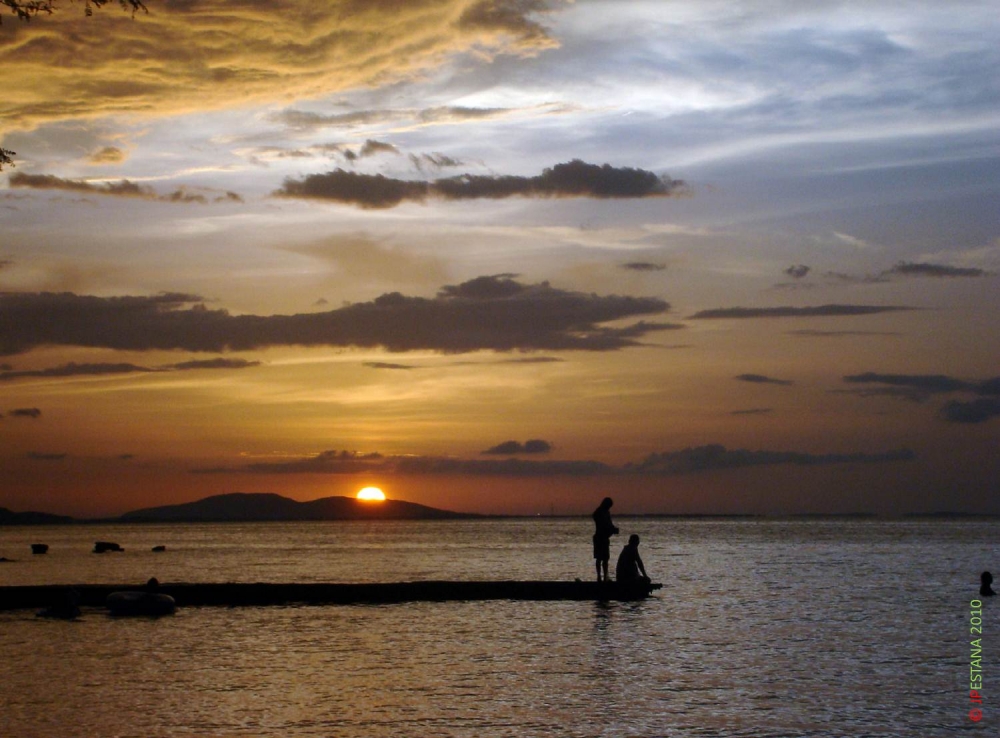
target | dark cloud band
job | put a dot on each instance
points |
(122, 188)
(762, 379)
(40, 456)
(643, 266)
(920, 387)
(512, 448)
(686, 461)
(715, 456)
(924, 383)
(922, 269)
(975, 411)
(571, 179)
(491, 313)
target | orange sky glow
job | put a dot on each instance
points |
(502, 257)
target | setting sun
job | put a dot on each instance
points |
(371, 494)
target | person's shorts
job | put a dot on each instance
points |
(602, 548)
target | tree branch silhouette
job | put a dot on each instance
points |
(27, 9)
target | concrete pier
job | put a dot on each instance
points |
(264, 594)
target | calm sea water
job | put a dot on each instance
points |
(763, 628)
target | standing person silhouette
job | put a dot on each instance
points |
(602, 537)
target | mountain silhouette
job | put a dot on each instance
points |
(8, 517)
(245, 507)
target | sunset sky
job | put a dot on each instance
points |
(503, 256)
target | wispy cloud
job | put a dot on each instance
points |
(844, 278)
(520, 361)
(928, 383)
(104, 369)
(917, 385)
(220, 363)
(435, 162)
(107, 155)
(739, 313)
(303, 120)
(73, 370)
(372, 147)
(530, 360)
(350, 154)
(388, 365)
(806, 333)
(187, 56)
(909, 269)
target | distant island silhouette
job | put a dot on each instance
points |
(244, 507)
(9, 517)
(255, 507)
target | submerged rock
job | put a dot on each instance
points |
(104, 546)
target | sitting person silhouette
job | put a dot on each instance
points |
(630, 568)
(985, 590)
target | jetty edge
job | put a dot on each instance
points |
(263, 594)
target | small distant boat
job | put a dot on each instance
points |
(138, 603)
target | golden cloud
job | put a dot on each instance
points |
(107, 155)
(185, 57)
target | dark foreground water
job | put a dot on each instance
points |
(763, 628)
